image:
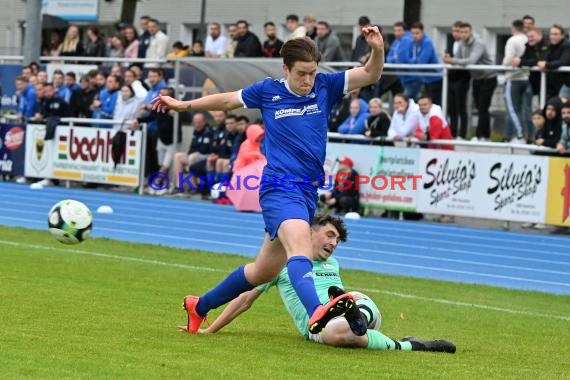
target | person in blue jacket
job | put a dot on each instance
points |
(355, 123)
(27, 99)
(423, 52)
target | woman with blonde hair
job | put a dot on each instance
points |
(378, 122)
(72, 46)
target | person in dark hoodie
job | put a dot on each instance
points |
(248, 43)
(550, 134)
(558, 55)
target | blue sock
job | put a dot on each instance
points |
(230, 288)
(219, 176)
(300, 271)
(212, 176)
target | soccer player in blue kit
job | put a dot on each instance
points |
(295, 112)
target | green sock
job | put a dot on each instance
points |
(379, 341)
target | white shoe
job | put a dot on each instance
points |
(474, 139)
(528, 225)
(161, 192)
(21, 180)
(45, 182)
(516, 140)
(540, 226)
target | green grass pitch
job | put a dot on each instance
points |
(107, 309)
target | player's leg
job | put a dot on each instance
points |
(266, 267)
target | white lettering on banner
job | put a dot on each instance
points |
(6, 164)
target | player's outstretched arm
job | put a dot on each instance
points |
(232, 311)
(372, 70)
(216, 102)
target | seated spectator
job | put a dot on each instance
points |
(549, 135)
(341, 111)
(355, 123)
(272, 45)
(165, 145)
(82, 99)
(378, 122)
(344, 197)
(538, 123)
(242, 124)
(433, 125)
(215, 42)
(405, 119)
(563, 145)
(27, 99)
(293, 26)
(131, 80)
(52, 105)
(179, 50)
(59, 84)
(250, 149)
(197, 49)
(127, 107)
(200, 148)
(104, 107)
(219, 160)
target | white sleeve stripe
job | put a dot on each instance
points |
(241, 98)
(346, 79)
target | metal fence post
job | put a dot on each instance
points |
(542, 96)
(143, 159)
(444, 91)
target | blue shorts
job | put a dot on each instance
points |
(279, 204)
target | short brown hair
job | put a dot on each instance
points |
(336, 222)
(300, 49)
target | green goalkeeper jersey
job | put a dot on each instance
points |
(325, 274)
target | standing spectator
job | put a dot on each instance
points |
(166, 143)
(399, 53)
(215, 42)
(528, 22)
(310, 26)
(232, 41)
(272, 45)
(53, 47)
(405, 119)
(535, 50)
(104, 107)
(116, 48)
(82, 99)
(423, 52)
(52, 105)
(27, 99)
(70, 82)
(558, 55)
(42, 77)
(144, 38)
(516, 83)
(224, 140)
(474, 52)
(127, 107)
(328, 43)
(248, 44)
(295, 29)
(72, 46)
(378, 122)
(59, 84)
(433, 125)
(95, 45)
(459, 83)
(361, 50)
(131, 43)
(355, 124)
(550, 134)
(158, 45)
(156, 80)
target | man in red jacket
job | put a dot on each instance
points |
(433, 125)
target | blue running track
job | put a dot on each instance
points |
(452, 253)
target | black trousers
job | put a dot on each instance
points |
(433, 90)
(483, 90)
(457, 107)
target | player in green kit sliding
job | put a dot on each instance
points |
(326, 233)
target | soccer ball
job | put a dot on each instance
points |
(70, 222)
(369, 309)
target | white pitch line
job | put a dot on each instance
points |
(208, 269)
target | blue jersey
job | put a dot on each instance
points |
(295, 126)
